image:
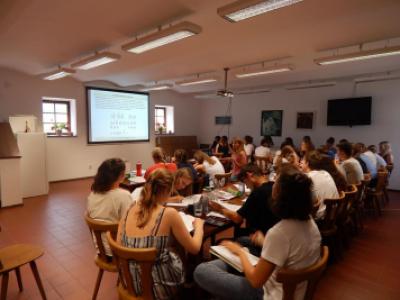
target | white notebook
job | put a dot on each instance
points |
(190, 200)
(232, 259)
(188, 220)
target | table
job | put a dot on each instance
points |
(132, 185)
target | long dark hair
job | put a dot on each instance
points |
(107, 174)
(294, 197)
(320, 161)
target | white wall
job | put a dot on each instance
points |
(246, 115)
(72, 157)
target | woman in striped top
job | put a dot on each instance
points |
(149, 224)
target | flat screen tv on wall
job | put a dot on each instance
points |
(349, 111)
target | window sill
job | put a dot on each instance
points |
(157, 133)
(61, 136)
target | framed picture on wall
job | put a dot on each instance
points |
(271, 122)
(305, 120)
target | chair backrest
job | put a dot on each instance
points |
(382, 179)
(334, 207)
(291, 278)
(222, 179)
(97, 228)
(263, 162)
(144, 257)
(351, 194)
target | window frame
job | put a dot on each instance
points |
(68, 123)
(156, 116)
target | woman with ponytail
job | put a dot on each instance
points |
(149, 224)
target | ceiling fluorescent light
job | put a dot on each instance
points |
(377, 78)
(266, 71)
(96, 61)
(311, 85)
(362, 55)
(163, 37)
(196, 81)
(244, 9)
(158, 87)
(60, 73)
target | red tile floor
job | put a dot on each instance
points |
(369, 270)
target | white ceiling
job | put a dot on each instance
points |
(38, 35)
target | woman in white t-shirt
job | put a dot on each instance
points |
(293, 243)
(108, 202)
(208, 165)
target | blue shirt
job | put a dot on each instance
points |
(372, 168)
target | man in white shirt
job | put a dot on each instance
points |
(263, 150)
(323, 187)
(349, 166)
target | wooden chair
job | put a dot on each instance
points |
(291, 278)
(221, 180)
(263, 162)
(102, 260)
(375, 196)
(345, 222)
(145, 258)
(226, 163)
(15, 256)
(328, 225)
(389, 169)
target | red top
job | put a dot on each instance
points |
(169, 166)
(238, 160)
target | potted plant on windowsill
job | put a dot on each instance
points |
(59, 127)
(161, 129)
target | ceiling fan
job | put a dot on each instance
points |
(225, 93)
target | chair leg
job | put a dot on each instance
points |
(37, 278)
(4, 286)
(97, 286)
(18, 273)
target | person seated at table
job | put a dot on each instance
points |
(287, 155)
(369, 160)
(223, 147)
(256, 210)
(350, 167)
(183, 185)
(213, 147)
(380, 162)
(159, 163)
(293, 243)
(107, 202)
(180, 158)
(385, 150)
(329, 147)
(323, 187)
(149, 224)
(263, 150)
(208, 165)
(238, 157)
(320, 161)
(248, 147)
(306, 145)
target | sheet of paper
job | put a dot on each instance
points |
(232, 259)
(185, 201)
(222, 195)
(137, 179)
(229, 206)
(188, 220)
(215, 214)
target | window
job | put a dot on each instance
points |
(57, 117)
(164, 119)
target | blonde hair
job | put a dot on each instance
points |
(241, 145)
(158, 154)
(160, 181)
(200, 156)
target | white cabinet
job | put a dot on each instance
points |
(32, 147)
